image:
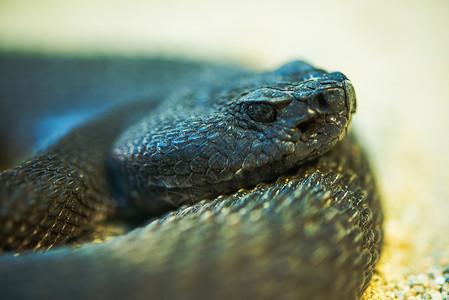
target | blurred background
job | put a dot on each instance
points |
(395, 52)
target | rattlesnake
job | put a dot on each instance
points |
(299, 222)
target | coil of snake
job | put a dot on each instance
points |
(245, 182)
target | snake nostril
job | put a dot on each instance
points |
(322, 102)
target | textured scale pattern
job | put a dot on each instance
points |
(201, 143)
(312, 233)
(69, 189)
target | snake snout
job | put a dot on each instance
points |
(351, 99)
(326, 101)
(329, 101)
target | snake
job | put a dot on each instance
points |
(223, 182)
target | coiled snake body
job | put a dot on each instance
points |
(289, 211)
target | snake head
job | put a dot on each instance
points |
(294, 119)
(220, 137)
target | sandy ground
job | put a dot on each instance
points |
(395, 52)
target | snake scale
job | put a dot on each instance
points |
(249, 184)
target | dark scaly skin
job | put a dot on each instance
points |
(85, 200)
(313, 235)
(204, 141)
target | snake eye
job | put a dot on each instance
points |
(262, 112)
